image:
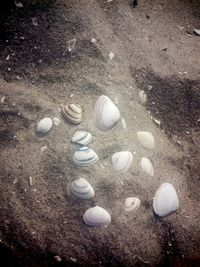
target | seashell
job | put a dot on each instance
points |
(121, 161)
(82, 189)
(166, 200)
(143, 97)
(197, 32)
(147, 166)
(71, 43)
(105, 114)
(81, 138)
(146, 139)
(96, 216)
(131, 204)
(56, 121)
(44, 125)
(84, 156)
(72, 113)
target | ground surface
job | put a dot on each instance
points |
(154, 48)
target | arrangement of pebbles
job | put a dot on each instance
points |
(105, 117)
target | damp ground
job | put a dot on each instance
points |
(155, 51)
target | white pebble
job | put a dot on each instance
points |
(43, 149)
(18, 4)
(56, 121)
(143, 97)
(116, 100)
(31, 181)
(57, 258)
(3, 99)
(71, 43)
(123, 122)
(111, 55)
(93, 40)
(197, 32)
(44, 125)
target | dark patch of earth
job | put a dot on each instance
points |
(176, 103)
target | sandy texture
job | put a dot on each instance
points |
(156, 51)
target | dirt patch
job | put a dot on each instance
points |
(175, 102)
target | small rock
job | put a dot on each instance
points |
(15, 181)
(71, 95)
(8, 57)
(123, 122)
(73, 259)
(34, 22)
(164, 49)
(93, 40)
(56, 121)
(143, 97)
(147, 16)
(43, 149)
(18, 4)
(149, 87)
(71, 43)
(156, 121)
(197, 32)
(3, 99)
(44, 125)
(111, 55)
(30, 181)
(57, 258)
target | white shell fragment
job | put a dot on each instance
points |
(197, 32)
(3, 99)
(158, 122)
(81, 138)
(96, 216)
(71, 43)
(44, 125)
(146, 139)
(147, 166)
(57, 258)
(56, 121)
(121, 161)
(43, 149)
(82, 188)
(72, 113)
(84, 156)
(131, 204)
(18, 4)
(111, 55)
(142, 97)
(105, 114)
(123, 122)
(93, 40)
(166, 200)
